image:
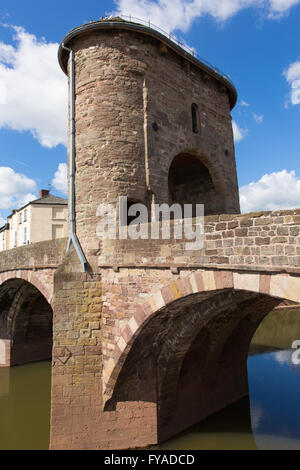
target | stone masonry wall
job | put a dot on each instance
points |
(45, 254)
(124, 85)
(257, 241)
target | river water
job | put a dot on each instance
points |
(268, 419)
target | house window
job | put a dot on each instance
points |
(25, 215)
(25, 235)
(57, 231)
(194, 109)
(58, 213)
(20, 218)
(16, 238)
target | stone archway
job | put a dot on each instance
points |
(198, 326)
(25, 322)
(190, 182)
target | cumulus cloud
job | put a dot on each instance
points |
(292, 75)
(238, 132)
(282, 357)
(179, 14)
(278, 190)
(33, 89)
(258, 118)
(60, 179)
(278, 7)
(244, 103)
(16, 189)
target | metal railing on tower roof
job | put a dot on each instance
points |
(172, 37)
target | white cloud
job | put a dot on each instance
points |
(279, 7)
(33, 89)
(258, 118)
(179, 14)
(16, 189)
(278, 190)
(244, 103)
(282, 357)
(292, 75)
(60, 179)
(238, 132)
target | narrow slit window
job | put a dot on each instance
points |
(195, 118)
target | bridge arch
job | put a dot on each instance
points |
(202, 322)
(26, 319)
(42, 280)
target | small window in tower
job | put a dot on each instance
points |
(194, 108)
(133, 211)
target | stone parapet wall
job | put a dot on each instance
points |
(47, 254)
(256, 241)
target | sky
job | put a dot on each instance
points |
(255, 42)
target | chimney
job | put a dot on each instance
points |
(44, 192)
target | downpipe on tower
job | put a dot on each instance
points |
(73, 237)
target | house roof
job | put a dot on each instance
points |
(49, 199)
(4, 227)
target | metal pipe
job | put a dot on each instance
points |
(73, 237)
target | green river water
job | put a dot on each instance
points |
(268, 419)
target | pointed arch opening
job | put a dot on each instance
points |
(190, 182)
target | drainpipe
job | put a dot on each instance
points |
(73, 237)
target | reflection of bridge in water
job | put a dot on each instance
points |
(143, 350)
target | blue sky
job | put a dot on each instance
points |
(256, 42)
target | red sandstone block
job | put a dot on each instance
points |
(223, 279)
(93, 350)
(147, 309)
(184, 286)
(139, 314)
(126, 334)
(264, 283)
(167, 294)
(199, 281)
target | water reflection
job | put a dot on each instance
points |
(25, 406)
(274, 390)
(4, 381)
(229, 429)
(269, 419)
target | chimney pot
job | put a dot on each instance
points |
(44, 192)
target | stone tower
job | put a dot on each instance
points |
(152, 123)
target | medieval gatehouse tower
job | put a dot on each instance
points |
(152, 123)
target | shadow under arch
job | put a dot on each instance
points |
(192, 180)
(26, 321)
(190, 359)
(188, 356)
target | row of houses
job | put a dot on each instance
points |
(45, 218)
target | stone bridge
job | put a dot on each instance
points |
(153, 338)
(26, 297)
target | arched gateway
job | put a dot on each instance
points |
(185, 349)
